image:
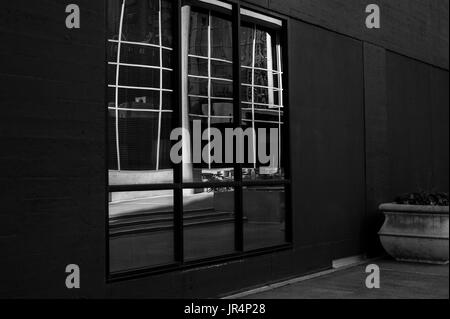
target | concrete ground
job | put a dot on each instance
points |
(398, 280)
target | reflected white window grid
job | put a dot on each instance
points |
(117, 85)
(270, 87)
(210, 78)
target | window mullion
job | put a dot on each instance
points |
(179, 24)
(238, 198)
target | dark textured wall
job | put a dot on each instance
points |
(417, 28)
(53, 128)
(327, 120)
(360, 115)
(418, 122)
(378, 183)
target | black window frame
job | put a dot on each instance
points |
(239, 183)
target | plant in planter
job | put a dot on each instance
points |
(416, 227)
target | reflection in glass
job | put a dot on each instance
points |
(140, 87)
(209, 89)
(261, 96)
(222, 70)
(221, 38)
(140, 230)
(208, 222)
(222, 89)
(264, 217)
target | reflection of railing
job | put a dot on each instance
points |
(163, 221)
(156, 214)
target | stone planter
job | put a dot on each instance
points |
(416, 233)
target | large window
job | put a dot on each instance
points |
(210, 68)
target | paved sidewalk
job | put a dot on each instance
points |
(397, 280)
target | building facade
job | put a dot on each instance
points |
(361, 116)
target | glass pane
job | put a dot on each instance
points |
(138, 133)
(247, 36)
(114, 12)
(167, 79)
(206, 164)
(112, 153)
(276, 97)
(208, 222)
(246, 94)
(261, 95)
(269, 128)
(112, 74)
(141, 21)
(138, 54)
(200, 173)
(167, 102)
(221, 70)
(275, 80)
(210, 110)
(134, 99)
(198, 66)
(198, 33)
(222, 88)
(264, 217)
(166, 23)
(261, 49)
(221, 38)
(261, 78)
(140, 136)
(246, 76)
(222, 109)
(111, 49)
(198, 86)
(198, 106)
(140, 229)
(135, 76)
(165, 144)
(274, 37)
(167, 58)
